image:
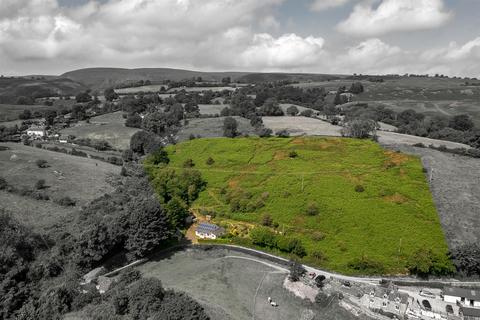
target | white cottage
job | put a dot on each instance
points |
(36, 132)
(208, 231)
(466, 297)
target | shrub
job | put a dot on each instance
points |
(210, 161)
(318, 236)
(306, 113)
(293, 154)
(367, 265)
(296, 271)
(282, 134)
(292, 111)
(359, 188)
(188, 163)
(159, 156)
(40, 184)
(312, 209)
(66, 202)
(263, 237)
(319, 281)
(318, 255)
(267, 220)
(3, 183)
(42, 163)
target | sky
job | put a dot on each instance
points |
(313, 36)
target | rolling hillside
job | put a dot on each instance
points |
(374, 209)
(101, 78)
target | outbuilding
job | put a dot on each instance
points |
(465, 297)
(470, 313)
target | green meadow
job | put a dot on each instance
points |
(370, 203)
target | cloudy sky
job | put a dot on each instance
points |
(324, 36)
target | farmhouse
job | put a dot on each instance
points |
(465, 297)
(208, 231)
(36, 132)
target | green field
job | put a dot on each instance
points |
(390, 220)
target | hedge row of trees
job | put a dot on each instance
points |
(265, 237)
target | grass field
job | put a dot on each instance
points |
(9, 112)
(109, 127)
(390, 220)
(297, 126)
(212, 108)
(79, 178)
(149, 88)
(212, 127)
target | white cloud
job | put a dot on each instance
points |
(320, 5)
(394, 15)
(285, 52)
(39, 36)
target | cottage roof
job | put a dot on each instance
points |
(36, 128)
(469, 294)
(209, 228)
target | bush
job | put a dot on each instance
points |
(282, 134)
(263, 132)
(42, 163)
(367, 265)
(267, 220)
(210, 161)
(292, 111)
(188, 163)
(296, 271)
(40, 184)
(306, 113)
(293, 154)
(3, 183)
(359, 188)
(159, 156)
(318, 255)
(66, 202)
(312, 209)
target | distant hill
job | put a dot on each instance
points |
(36, 87)
(101, 78)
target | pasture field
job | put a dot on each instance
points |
(392, 218)
(212, 108)
(212, 127)
(235, 286)
(148, 88)
(201, 89)
(109, 127)
(79, 178)
(9, 112)
(297, 126)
